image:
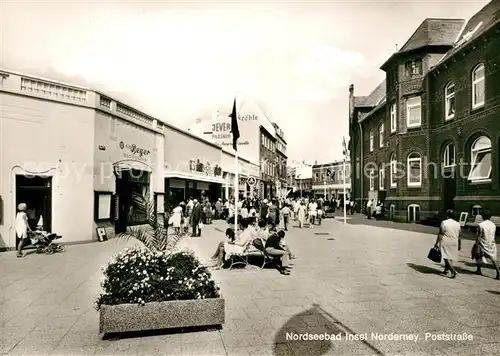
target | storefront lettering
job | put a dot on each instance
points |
(221, 127)
(136, 152)
(248, 117)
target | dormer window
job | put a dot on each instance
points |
(413, 67)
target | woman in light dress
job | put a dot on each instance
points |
(486, 243)
(301, 214)
(177, 219)
(22, 228)
(449, 241)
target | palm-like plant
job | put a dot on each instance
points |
(154, 235)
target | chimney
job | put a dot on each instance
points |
(351, 103)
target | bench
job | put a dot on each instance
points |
(255, 248)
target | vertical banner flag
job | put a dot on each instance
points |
(344, 147)
(234, 126)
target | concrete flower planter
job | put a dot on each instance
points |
(161, 315)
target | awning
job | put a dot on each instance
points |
(477, 207)
(127, 165)
(196, 177)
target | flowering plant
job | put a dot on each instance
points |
(139, 275)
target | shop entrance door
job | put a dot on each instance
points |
(36, 193)
(130, 183)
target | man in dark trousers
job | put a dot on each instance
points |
(196, 218)
(264, 210)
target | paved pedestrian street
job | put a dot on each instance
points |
(350, 281)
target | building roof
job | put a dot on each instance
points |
(478, 24)
(373, 99)
(434, 32)
(431, 32)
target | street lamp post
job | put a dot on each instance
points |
(344, 151)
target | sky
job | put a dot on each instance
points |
(181, 60)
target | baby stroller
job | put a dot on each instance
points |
(43, 241)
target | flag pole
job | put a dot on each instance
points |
(236, 189)
(236, 135)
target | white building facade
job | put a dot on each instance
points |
(74, 156)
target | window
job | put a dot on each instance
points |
(414, 170)
(413, 67)
(371, 140)
(393, 118)
(381, 135)
(394, 167)
(478, 86)
(381, 177)
(372, 179)
(449, 155)
(413, 111)
(480, 160)
(413, 213)
(449, 104)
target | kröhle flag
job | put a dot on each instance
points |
(234, 126)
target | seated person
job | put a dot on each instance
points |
(275, 249)
(219, 253)
(263, 232)
(234, 245)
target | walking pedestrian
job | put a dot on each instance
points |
(449, 242)
(486, 243)
(286, 215)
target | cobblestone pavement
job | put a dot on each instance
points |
(352, 279)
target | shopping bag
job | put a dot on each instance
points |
(171, 220)
(476, 252)
(200, 225)
(435, 254)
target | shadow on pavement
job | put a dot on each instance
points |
(423, 269)
(493, 292)
(463, 271)
(312, 322)
(473, 264)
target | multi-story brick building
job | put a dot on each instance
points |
(281, 160)
(328, 179)
(268, 167)
(428, 137)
